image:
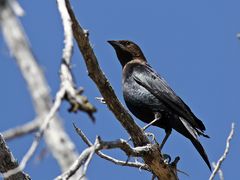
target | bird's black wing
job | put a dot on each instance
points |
(145, 76)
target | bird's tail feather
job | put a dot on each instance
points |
(201, 151)
(192, 134)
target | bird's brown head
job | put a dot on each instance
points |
(127, 51)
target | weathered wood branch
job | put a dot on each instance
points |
(29, 127)
(224, 156)
(86, 156)
(109, 158)
(73, 95)
(79, 163)
(59, 143)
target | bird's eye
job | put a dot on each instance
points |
(127, 43)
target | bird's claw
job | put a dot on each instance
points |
(167, 158)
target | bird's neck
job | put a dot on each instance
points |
(142, 61)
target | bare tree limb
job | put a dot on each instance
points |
(125, 147)
(87, 154)
(153, 158)
(220, 172)
(73, 95)
(56, 138)
(8, 162)
(18, 10)
(109, 158)
(81, 160)
(22, 130)
(31, 150)
(224, 156)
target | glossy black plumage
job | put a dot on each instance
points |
(147, 95)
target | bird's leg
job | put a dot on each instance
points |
(168, 132)
(157, 117)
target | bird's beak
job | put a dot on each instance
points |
(116, 44)
(113, 43)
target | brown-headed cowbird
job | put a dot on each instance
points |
(148, 96)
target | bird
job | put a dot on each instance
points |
(149, 97)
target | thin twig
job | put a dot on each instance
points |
(226, 151)
(140, 166)
(82, 135)
(86, 164)
(22, 130)
(85, 158)
(220, 172)
(109, 158)
(76, 165)
(125, 147)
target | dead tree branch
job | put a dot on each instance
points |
(56, 138)
(109, 158)
(81, 160)
(125, 147)
(29, 127)
(224, 156)
(8, 162)
(86, 156)
(73, 95)
(35, 143)
(220, 172)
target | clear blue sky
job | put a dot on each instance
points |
(193, 45)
